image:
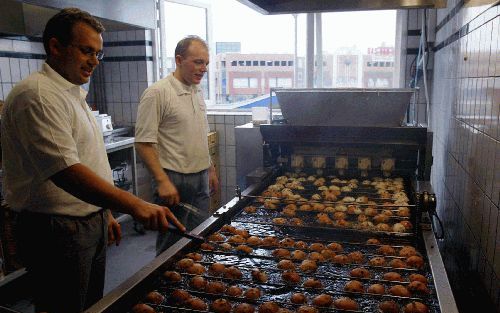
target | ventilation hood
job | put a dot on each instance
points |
(313, 6)
(29, 17)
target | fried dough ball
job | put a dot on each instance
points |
(400, 291)
(387, 212)
(418, 287)
(242, 232)
(383, 227)
(228, 229)
(377, 261)
(397, 263)
(244, 308)
(323, 300)
(254, 241)
(362, 218)
(393, 276)
(324, 218)
(198, 282)
(354, 209)
(296, 221)
(327, 254)
(154, 297)
(308, 266)
(172, 276)
(372, 241)
(250, 209)
(380, 218)
(403, 211)
(336, 247)
(195, 303)
(180, 296)
(305, 207)
(320, 207)
(287, 243)
(207, 246)
(388, 307)
(216, 237)
(415, 261)
(418, 277)
(312, 283)
(370, 211)
(270, 204)
(226, 246)
(300, 245)
(194, 256)
(398, 228)
(356, 257)
(234, 291)
(236, 239)
(184, 264)
(316, 256)
(415, 307)
(407, 251)
(216, 268)
(197, 269)
(307, 309)
(215, 287)
(346, 303)
(232, 273)
(354, 286)
(279, 220)
(360, 272)
(270, 241)
(252, 293)
(281, 253)
(298, 298)
(317, 247)
(340, 259)
(376, 288)
(291, 277)
(286, 265)
(142, 308)
(259, 275)
(244, 249)
(299, 255)
(269, 307)
(407, 224)
(221, 306)
(386, 250)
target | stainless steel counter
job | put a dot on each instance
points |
(120, 143)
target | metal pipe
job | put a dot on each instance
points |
(310, 51)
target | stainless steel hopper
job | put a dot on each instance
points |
(344, 107)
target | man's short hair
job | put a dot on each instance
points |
(60, 26)
(183, 45)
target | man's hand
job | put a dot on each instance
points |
(114, 230)
(168, 193)
(156, 217)
(213, 180)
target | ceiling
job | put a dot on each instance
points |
(313, 6)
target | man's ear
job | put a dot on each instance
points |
(54, 47)
(178, 59)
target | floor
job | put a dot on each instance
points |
(134, 252)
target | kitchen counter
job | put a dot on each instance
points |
(118, 143)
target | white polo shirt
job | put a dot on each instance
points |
(47, 126)
(173, 116)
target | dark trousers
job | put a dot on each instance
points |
(65, 258)
(193, 189)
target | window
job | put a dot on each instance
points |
(262, 63)
(241, 63)
(253, 82)
(255, 63)
(276, 63)
(283, 82)
(245, 82)
(269, 63)
(248, 63)
(283, 63)
(234, 63)
(290, 63)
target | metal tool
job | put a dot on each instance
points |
(173, 229)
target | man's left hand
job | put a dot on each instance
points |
(213, 180)
(114, 231)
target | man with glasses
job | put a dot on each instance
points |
(171, 137)
(57, 175)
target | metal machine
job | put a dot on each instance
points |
(286, 209)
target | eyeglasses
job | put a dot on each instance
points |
(89, 51)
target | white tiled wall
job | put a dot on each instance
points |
(124, 80)
(465, 115)
(224, 124)
(15, 68)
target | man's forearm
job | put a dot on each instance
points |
(81, 182)
(149, 155)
